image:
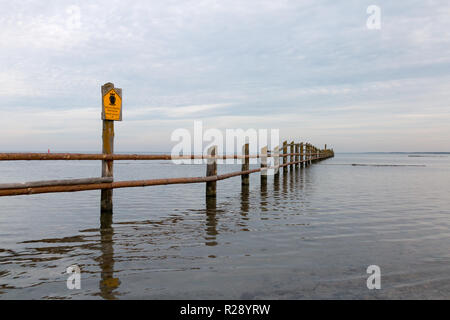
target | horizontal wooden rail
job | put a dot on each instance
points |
(94, 156)
(100, 156)
(121, 184)
(67, 186)
(50, 183)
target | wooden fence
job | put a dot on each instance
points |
(294, 155)
(300, 155)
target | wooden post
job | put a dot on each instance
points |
(310, 154)
(245, 165)
(285, 159)
(264, 165)
(106, 202)
(211, 170)
(297, 150)
(276, 158)
(306, 154)
(291, 157)
(301, 155)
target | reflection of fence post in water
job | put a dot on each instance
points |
(211, 221)
(245, 201)
(108, 283)
(291, 182)
(285, 184)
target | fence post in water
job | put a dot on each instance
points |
(297, 147)
(276, 158)
(264, 165)
(245, 165)
(310, 154)
(285, 168)
(301, 155)
(306, 154)
(291, 158)
(211, 170)
(106, 202)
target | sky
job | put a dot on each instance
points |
(312, 69)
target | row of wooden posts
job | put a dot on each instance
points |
(300, 154)
(293, 155)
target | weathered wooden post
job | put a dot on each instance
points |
(111, 111)
(297, 150)
(291, 158)
(310, 154)
(276, 158)
(211, 170)
(263, 165)
(285, 159)
(301, 155)
(306, 154)
(245, 165)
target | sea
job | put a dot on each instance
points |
(312, 233)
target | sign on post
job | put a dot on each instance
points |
(112, 103)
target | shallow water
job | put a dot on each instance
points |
(310, 234)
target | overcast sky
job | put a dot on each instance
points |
(310, 68)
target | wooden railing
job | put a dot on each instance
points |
(300, 155)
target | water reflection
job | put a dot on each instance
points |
(108, 284)
(211, 221)
(245, 193)
(284, 190)
(291, 181)
(263, 202)
(245, 205)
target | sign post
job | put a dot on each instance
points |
(111, 111)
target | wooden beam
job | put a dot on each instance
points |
(49, 183)
(245, 165)
(211, 170)
(106, 202)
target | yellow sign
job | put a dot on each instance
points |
(112, 105)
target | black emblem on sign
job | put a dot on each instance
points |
(112, 99)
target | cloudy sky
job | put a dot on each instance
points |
(310, 68)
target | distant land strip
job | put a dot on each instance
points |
(373, 165)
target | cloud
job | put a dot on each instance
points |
(277, 63)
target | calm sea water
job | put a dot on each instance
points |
(311, 234)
